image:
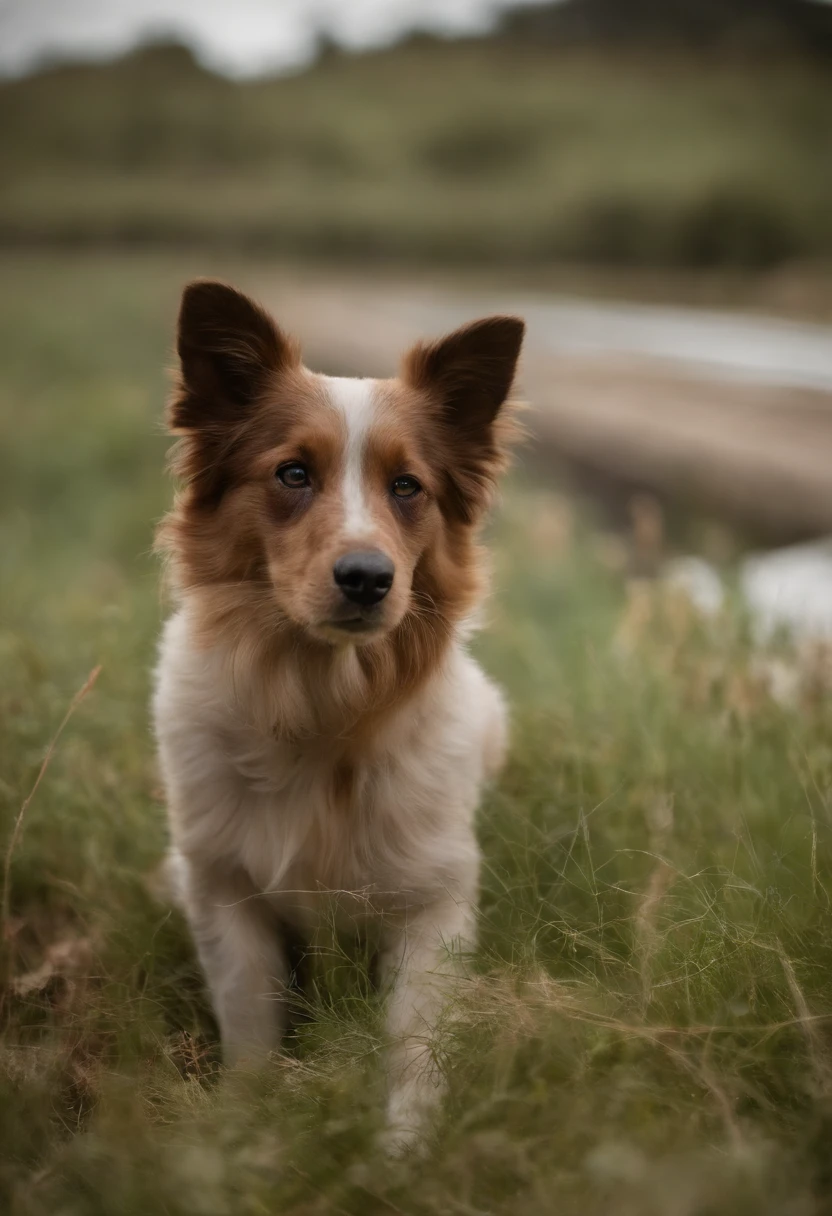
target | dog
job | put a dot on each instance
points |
(323, 734)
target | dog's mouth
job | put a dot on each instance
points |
(359, 626)
(354, 624)
(357, 623)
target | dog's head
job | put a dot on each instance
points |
(343, 506)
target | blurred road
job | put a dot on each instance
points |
(729, 412)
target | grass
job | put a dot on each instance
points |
(647, 1028)
(455, 153)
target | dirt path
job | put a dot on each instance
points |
(728, 411)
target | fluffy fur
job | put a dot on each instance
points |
(322, 759)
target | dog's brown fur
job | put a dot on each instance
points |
(259, 556)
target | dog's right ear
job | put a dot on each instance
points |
(227, 347)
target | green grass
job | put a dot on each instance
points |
(456, 153)
(647, 1028)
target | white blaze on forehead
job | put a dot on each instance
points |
(356, 401)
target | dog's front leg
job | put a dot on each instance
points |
(242, 955)
(421, 961)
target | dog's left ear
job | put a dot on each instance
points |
(227, 347)
(468, 375)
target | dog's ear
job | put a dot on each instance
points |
(227, 347)
(468, 376)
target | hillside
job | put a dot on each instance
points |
(506, 150)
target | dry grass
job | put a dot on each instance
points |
(648, 1027)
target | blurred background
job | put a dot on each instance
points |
(649, 182)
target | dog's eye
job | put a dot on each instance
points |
(293, 475)
(405, 487)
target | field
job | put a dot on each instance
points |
(646, 1029)
(448, 152)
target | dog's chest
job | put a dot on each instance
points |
(314, 820)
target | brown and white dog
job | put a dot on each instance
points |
(323, 733)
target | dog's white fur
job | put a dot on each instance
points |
(356, 401)
(258, 839)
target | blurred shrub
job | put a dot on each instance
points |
(613, 229)
(480, 147)
(721, 228)
(734, 226)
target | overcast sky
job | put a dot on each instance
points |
(238, 37)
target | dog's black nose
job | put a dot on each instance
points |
(364, 577)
